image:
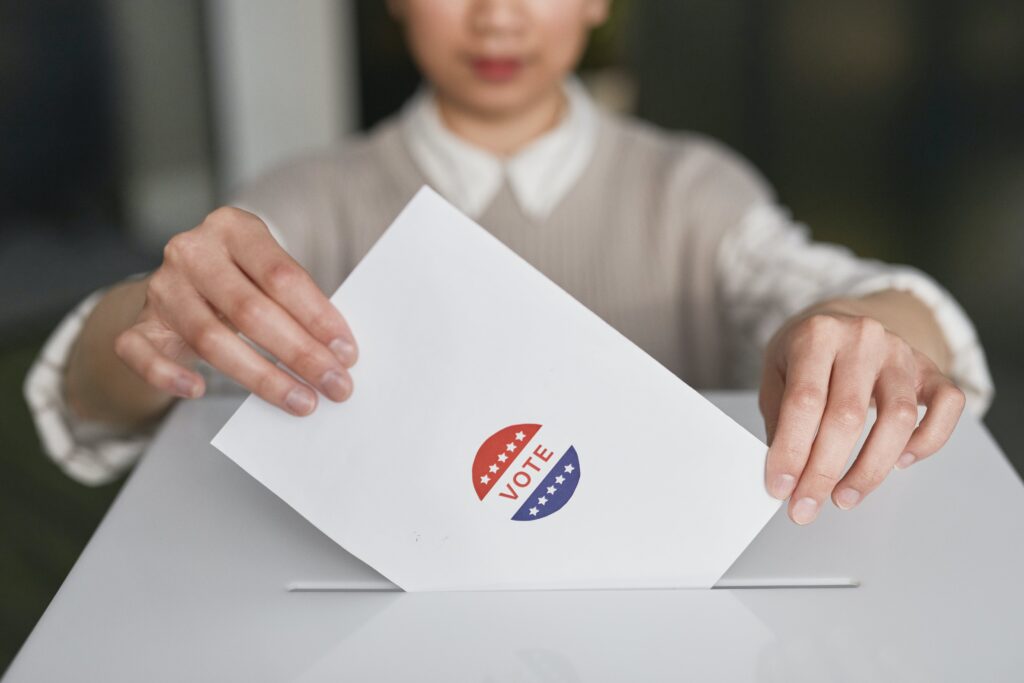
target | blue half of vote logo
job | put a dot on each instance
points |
(554, 491)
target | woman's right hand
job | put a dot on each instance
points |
(226, 276)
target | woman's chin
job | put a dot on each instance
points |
(505, 99)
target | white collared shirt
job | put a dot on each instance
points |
(539, 175)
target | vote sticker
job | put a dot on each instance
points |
(515, 468)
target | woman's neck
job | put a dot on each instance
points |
(503, 134)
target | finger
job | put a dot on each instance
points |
(896, 402)
(945, 404)
(803, 402)
(288, 284)
(849, 395)
(225, 351)
(159, 371)
(770, 399)
(229, 291)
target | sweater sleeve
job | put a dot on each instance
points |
(768, 269)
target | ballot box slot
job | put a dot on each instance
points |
(724, 584)
(826, 582)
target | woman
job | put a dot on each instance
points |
(670, 238)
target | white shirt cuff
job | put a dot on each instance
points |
(89, 452)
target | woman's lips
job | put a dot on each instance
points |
(496, 69)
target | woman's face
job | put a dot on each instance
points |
(497, 57)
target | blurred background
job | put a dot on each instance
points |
(895, 127)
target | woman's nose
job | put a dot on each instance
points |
(498, 16)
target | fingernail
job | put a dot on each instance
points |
(336, 385)
(782, 486)
(300, 401)
(344, 350)
(184, 386)
(805, 510)
(847, 498)
(905, 461)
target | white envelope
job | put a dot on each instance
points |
(502, 436)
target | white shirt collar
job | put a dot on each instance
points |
(539, 175)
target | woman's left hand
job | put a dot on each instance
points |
(822, 370)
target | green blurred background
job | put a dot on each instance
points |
(895, 127)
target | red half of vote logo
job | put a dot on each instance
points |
(514, 467)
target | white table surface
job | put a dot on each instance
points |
(187, 579)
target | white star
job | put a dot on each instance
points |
(569, 468)
(559, 479)
(534, 511)
(542, 500)
(493, 469)
(510, 447)
(502, 457)
(485, 479)
(551, 490)
(520, 436)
